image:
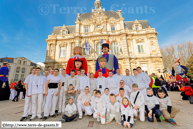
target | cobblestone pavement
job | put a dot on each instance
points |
(12, 111)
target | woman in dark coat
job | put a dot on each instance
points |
(18, 88)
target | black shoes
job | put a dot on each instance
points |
(23, 118)
(53, 115)
(44, 118)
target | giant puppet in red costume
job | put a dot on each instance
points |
(77, 55)
(180, 71)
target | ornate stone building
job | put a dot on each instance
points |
(133, 42)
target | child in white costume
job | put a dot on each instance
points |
(99, 108)
(138, 101)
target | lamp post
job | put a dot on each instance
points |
(163, 71)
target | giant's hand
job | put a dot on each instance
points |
(3, 86)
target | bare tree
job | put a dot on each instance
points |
(169, 55)
(184, 51)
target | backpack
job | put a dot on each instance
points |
(157, 82)
(191, 99)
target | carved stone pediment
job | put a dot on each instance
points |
(136, 24)
(99, 18)
(86, 22)
(139, 40)
(112, 20)
(63, 44)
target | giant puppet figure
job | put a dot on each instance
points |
(4, 84)
(102, 63)
(112, 62)
(179, 71)
(77, 55)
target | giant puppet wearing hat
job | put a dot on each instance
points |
(179, 71)
(112, 62)
(4, 84)
(77, 55)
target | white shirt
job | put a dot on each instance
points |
(112, 85)
(36, 85)
(54, 79)
(84, 81)
(113, 108)
(151, 102)
(139, 101)
(84, 98)
(139, 80)
(103, 82)
(92, 101)
(118, 78)
(146, 78)
(164, 103)
(99, 105)
(127, 90)
(119, 98)
(127, 112)
(74, 81)
(106, 99)
(93, 85)
(70, 108)
(63, 79)
(127, 80)
(28, 78)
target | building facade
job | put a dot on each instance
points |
(133, 42)
(19, 68)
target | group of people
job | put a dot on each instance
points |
(105, 94)
(116, 97)
(17, 89)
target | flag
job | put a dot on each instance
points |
(87, 45)
(104, 41)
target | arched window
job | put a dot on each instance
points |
(17, 69)
(23, 70)
(22, 77)
(86, 51)
(99, 48)
(140, 47)
(114, 48)
(62, 51)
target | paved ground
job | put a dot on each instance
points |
(12, 111)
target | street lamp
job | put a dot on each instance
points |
(163, 71)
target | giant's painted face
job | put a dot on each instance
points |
(77, 51)
(105, 49)
(78, 64)
(102, 64)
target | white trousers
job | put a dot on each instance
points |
(12, 94)
(21, 95)
(35, 98)
(81, 108)
(44, 103)
(27, 107)
(62, 100)
(51, 101)
(144, 92)
(112, 117)
(141, 113)
(101, 118)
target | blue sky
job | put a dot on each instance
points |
(25, 24)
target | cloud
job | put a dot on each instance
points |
(178, 37)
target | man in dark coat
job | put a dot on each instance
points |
(4, 84)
